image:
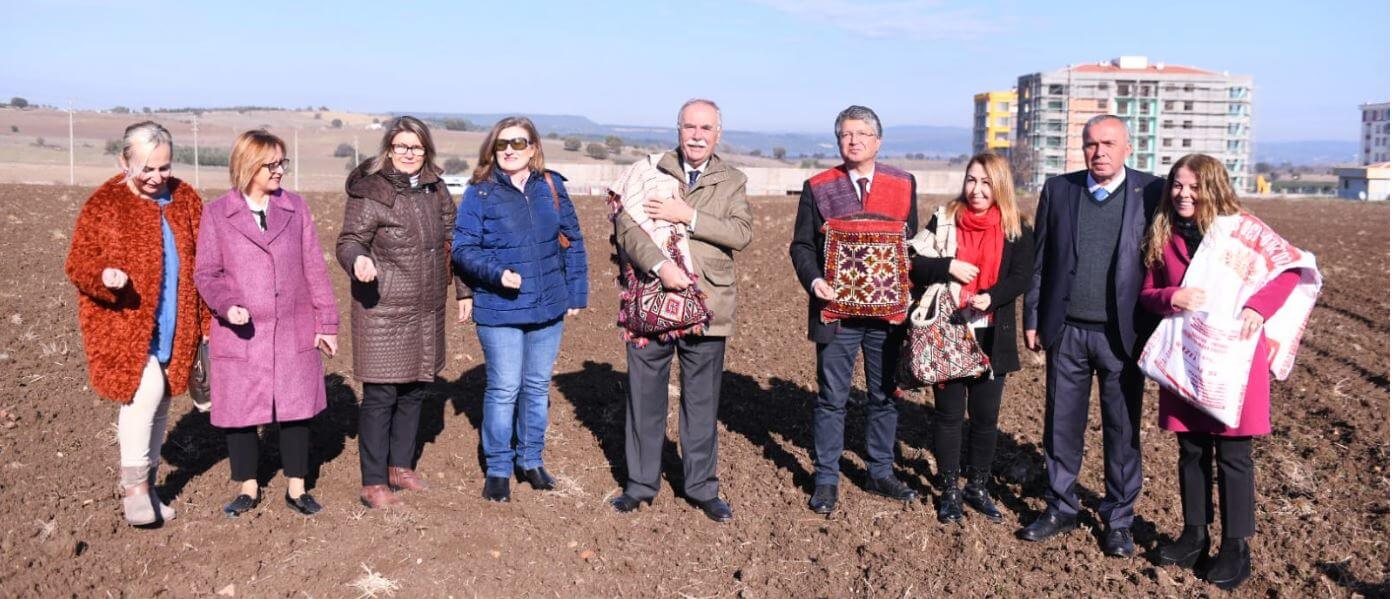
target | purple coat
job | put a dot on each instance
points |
(267, 370)
(1160, 284)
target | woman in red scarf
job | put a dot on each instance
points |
(993, 265)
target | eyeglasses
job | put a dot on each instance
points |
(855, 134)
(517, 143)
(403, 149)
(282, 164)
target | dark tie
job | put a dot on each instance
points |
(692, 176)
(260, 218)
(864, 183)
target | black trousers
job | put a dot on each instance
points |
(244, 451)
(1237, 485)
(388, 420)
(951, 401)
(702, 368)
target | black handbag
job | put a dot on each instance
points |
(198, 387)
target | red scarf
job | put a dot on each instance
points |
(980, 240)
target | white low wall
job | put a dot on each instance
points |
(594, 179)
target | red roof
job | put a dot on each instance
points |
(1150, 68)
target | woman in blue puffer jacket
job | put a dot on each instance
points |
(526, 281)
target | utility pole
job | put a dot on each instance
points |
(72, 177)
(196, 182)
(296, 159)
(356, 160)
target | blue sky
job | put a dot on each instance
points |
(773, 65)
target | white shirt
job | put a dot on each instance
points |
(253, 208)
(855, 180)
(1111, 188)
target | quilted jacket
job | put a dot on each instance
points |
(503, 228)
(399, 318)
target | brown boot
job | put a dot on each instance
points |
(405, 478)
(378, 497)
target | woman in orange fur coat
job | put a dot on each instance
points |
(141, 317)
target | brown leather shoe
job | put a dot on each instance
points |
(378, 497)
(405, 478)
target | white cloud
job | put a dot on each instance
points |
(919, 19)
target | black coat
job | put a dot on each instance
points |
(808, 251)
(1016, 270)
(1056, 259)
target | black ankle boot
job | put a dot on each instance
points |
(950, 503)
(1232, 565)
(977, 495)
(1187, 550)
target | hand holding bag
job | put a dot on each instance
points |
(940, 345)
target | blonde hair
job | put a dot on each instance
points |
(1214, 197)
(1002, 193)
(252, 150)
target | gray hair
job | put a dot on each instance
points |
(1103, 118)
(858, 113)
(146, 134)
(719, 120)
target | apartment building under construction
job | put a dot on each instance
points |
(1170, 110)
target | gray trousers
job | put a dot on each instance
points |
(702, 366)
(1072, 361)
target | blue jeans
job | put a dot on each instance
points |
(518, 360)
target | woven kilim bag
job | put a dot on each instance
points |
(939, 347)
(867, 264)
(647, 310)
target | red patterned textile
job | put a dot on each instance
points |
(867, 264)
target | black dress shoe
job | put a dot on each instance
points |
(626, 503)
(891, 487)
(304, 504)
(539, 478)
(716, 509)
(823, 499)
(1232, 565)
(1118, 543)
(241, 505)
(1187, 550)
(495, 488)
(1047, 525)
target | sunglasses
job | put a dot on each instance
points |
(517, 143)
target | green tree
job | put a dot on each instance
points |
(780, 152)
(120, 110)
(458, 125)
(756, 152)
(343, 151)
(597, 151)
(572, 144)
(113, 147)
(336, 123)
(613, 143)
(19, 102)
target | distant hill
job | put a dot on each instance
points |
(932, 141)
(1313, 152)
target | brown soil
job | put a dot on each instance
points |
(1322, 476)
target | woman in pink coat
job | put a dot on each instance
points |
(1199, 192)
(261, 270)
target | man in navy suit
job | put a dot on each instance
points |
(1081, 309)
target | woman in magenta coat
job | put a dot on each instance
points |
(261, 269)
(1199, 192)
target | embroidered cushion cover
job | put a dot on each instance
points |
(868, 267)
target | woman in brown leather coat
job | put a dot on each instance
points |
(395, 245)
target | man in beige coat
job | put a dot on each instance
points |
(716, 214)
